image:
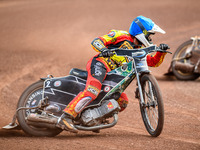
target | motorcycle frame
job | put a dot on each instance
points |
(123, 84)
(138, 56)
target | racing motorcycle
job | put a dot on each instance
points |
(41, 104)
(185, 63)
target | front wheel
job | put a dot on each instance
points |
(152, 110)
(30, 98)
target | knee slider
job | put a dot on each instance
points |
(82, 104)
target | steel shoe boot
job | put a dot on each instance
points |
(65, 123)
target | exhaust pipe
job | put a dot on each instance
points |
(186, 68)
(94, 128)
(41, 121)
(41, 124)
(47, 122)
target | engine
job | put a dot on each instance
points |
(94, 116)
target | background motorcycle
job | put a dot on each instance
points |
(185, 63)
(41, 104)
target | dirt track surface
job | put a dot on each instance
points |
(40, 37)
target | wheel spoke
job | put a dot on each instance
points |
(147, 94)
(151, 106)
(153, 116)
(150, 91)
(155, 112)
(153, 122)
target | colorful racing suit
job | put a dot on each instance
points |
(97, 67)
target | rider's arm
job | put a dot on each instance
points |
(114, 36)
(100, 44)
(156, 60)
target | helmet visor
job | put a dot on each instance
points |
(156, 28)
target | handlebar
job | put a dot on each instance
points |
(164, 51)
(142, 52)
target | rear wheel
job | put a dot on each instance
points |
(30, 98)
(180, 52)
(153, 110)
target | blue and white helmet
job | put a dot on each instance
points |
(142, 27)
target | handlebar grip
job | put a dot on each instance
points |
(164, 51)
(168, 52)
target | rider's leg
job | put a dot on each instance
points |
(90, 93)
(96, 74)
(78, 104)
(123, 101)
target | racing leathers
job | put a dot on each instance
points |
(97, 67)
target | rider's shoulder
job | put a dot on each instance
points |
(113, 33)
(118, 31)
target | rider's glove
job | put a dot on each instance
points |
(106, 54)
(164, 47)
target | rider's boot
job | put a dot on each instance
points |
(65, 123)
(123, 102)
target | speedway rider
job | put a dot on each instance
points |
(139, 36)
